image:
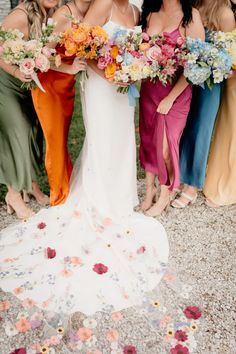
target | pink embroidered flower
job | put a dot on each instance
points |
(19, 351)
(66, 273)
(23, 325)
(41, 225)
(28, 303)
(129, 349)
(76, 260)
(5, 305)
(141, 250)
(100, 268)
(107, 222)
(54, 340)
(179, 349)
(84, 334)
(18, 291)
(192, 312)
(51, 253)
(112, 335)
(27, 66)
(181, 336)
(117, 316)
(77, 214)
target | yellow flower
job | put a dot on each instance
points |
(144, 46)
(114, 51)
(170, 332)
(193, 326)
(44, 349)
(98, 31)
(110, 71)
(232, 53)
(60, 330)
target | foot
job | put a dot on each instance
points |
(151, 192)
(184, 200)
(16, 204)
(40, 197)
(211, 204)
(161, 205)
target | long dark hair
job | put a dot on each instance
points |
(233, 8)
(155, 6)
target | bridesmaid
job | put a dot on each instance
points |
(164, 109)
(55, 107)
(20, 153)
(220, 187)
(195, 144)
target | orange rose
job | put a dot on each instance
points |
(98, 31)
(71, 48)
(114, 51)
(144, 46)
(110, 71)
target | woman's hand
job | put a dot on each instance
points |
(165, 105)
(78, 65)
(22, 77)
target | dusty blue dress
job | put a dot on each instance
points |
(196, 138)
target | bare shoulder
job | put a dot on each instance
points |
(137, 12)
(99, 12)
(61, 18)
(226, 19)
(195, 28)
(17, 19)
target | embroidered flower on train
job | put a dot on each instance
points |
(107, 222)
(44, 349)
(156, 303)
(90, 323)
(51, 253)
(116, 316)
(76, 260)
(23, 325)
(179, 349)
(60, 330)
(19, 351)
(5, 305)
(10, 329)
(141, 250)
(170, 332)
(28, 303)
(129, 349)
(84, 334)
(41, 225)
(18, 291)
(112, 335)
(100, 268)
(54, 340)
(181, 336)
(193, 326)
(192, 312)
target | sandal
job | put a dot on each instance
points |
(177, 203)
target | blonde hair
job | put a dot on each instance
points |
(210, 12)
(36, 16)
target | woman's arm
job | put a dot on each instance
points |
(227, 20)
(195, 30)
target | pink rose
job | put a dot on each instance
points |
(27, 66)
(145, 36)
(32, 45)
(153, 53)
(167, 51)
(42, 63)
(47, 51)
(104, 61)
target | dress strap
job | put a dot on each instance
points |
(134, 14)
(67, 5)
(111, 14)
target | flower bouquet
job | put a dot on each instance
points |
(165, 57)
(6, 34)
(206, 63)
(226, 41)
(30, 56)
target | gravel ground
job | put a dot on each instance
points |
(203, 251)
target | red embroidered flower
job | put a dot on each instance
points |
(141, 249)
(19, 351)
(41, 225)
(181, 336)
(100, 268)
(192, 312)
(179, 349)
(51, 253)
(129, 349)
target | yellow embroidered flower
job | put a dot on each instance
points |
(44, 349)
(60, 330)
(193, 326)
(170, 332)
(156, 304)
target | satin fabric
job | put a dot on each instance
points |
(55, 109)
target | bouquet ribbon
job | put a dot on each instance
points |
(133, 93)
(36, 80)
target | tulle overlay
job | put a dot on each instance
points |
(85, 267)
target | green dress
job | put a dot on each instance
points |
(19, 149)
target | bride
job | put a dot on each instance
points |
(94, 253)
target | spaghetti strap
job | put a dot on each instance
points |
(149, 19)
(111, 14)
(69, 9)
(133, 8)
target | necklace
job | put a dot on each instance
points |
(120, 9)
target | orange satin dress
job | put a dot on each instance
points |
(55, 109)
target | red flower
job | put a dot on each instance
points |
(129, 349)
(51, 253)
(100, 268)
(181, 336)
(179, 349)
(19, 351)
(41, 225)
(141, 249)
(192, 312)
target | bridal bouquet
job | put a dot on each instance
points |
(7, 34)
(226, 41)
(83, 41)
(206, 63)
(30, 56)
(164, 56)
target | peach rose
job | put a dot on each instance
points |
(27, 66)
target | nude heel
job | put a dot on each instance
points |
(10, 210)
(26, 197)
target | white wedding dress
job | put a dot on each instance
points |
(94, 253)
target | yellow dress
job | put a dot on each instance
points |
(220, 185)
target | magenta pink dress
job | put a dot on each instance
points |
(153, 124)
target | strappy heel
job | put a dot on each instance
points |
(177, 203)
(153, 213)
(41, 200)
(17, 206)
(153, 199)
